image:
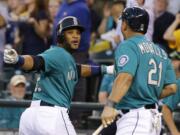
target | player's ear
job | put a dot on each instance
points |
(123, 26)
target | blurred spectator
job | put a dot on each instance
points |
(174, 6)
(163, 20)
(53, 6)
(109, 36)
(172, 35)
(9, 117)
(33, 28)
(15, 8)
(107, 22)
(95, 17)
(149, 6)
(111, 16)
(3, 22)
(17, 87)
(95, 20)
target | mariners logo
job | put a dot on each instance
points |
(123, 60)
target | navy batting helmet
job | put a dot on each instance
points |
(136, 18)
(68, 22)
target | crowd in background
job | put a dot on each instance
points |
(29, 26)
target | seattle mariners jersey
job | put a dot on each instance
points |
(106, 84)
(172, 101)
(57, 83)
(150, 67)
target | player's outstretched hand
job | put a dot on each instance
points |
(108, 115)
(10, 56)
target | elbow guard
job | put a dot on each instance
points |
(39, 63)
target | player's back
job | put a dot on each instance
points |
(152, 69)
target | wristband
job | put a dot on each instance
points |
(20, 61)
(110, 103)
(95, 70)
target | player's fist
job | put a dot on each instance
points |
(10, 56)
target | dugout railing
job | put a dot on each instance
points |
(74, 105)
(89, 106)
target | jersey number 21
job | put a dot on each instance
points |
(154, 71)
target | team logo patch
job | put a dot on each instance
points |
(123, 60)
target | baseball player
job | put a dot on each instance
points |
(144, 75)
(48, 113)
(170, 104)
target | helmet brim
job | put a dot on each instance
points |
(79, 27)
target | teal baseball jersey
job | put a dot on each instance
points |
(173, 100)
(56, 84)
(106, 83)
(150, 67)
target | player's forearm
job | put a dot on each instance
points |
(31, 63)
(168, 118)
(89, 70)
(120, 87)
(168, 90)
(26, 62)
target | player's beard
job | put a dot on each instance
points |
(68, 47)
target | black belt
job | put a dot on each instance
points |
(149, 106)
(43, 103)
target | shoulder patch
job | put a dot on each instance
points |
(123, 60)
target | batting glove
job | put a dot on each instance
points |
(10, 56)
(107, 69)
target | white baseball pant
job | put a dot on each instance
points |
(45, 120)
(139, 122)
